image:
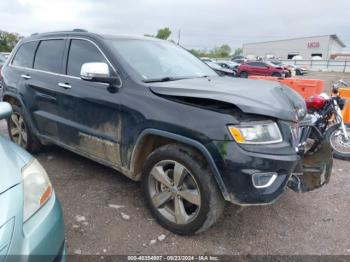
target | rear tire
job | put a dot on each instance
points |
(20, 131)
(185, 208)
(243, 74)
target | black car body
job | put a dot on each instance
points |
(149, 124)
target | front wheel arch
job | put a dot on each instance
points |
(136, 166)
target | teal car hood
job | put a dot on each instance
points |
(12, 159)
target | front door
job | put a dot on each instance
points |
(261, 69)
(90, 111)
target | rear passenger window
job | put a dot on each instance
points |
(81, 52)
(49, 56)
(25, 55)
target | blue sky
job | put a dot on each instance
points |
(203, 23)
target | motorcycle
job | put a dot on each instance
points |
(329, 122)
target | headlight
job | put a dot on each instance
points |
(256, 133)
(37, 188)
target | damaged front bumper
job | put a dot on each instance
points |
(258, 179)
(240, 170)
(314, 170)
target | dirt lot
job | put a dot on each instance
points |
(105, 214)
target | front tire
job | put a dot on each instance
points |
(20, 131)
(276, 74)
(243, 74)
(180, 190)
(341, 148)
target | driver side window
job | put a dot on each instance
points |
(80, 52)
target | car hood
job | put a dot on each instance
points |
(260, 97)
(13, 159)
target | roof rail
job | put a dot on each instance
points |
(79, 30)
(34, 34)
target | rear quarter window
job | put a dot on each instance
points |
(25, 55)
(49, 55)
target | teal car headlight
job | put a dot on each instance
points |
(256, 133)
(37, 188)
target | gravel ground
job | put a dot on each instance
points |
(105, 213)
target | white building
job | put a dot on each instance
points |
(306, 47)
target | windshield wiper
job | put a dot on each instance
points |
(171, 78)
(162, 79)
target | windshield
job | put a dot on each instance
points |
(159, 59)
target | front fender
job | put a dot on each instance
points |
(187, 141)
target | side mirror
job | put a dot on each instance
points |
(98, 72)
(5, 110)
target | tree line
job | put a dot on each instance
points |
(223, 51)
(9, 40)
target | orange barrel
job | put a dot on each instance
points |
(305, 87)
(345, 93)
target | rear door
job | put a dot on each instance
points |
(19, 67)
(90, 110)
(41, 86)
(34, 70)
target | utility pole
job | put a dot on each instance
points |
(178, 37)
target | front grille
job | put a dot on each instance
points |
(296, 134)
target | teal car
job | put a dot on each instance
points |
(31, 220)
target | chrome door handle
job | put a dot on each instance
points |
(65, 85)
(26, 77)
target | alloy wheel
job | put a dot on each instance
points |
(18, 130)
(174, 192)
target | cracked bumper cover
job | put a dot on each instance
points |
(238, 166)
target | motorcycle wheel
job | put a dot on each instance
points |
(341, 148)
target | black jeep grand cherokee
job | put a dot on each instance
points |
(157, 114)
